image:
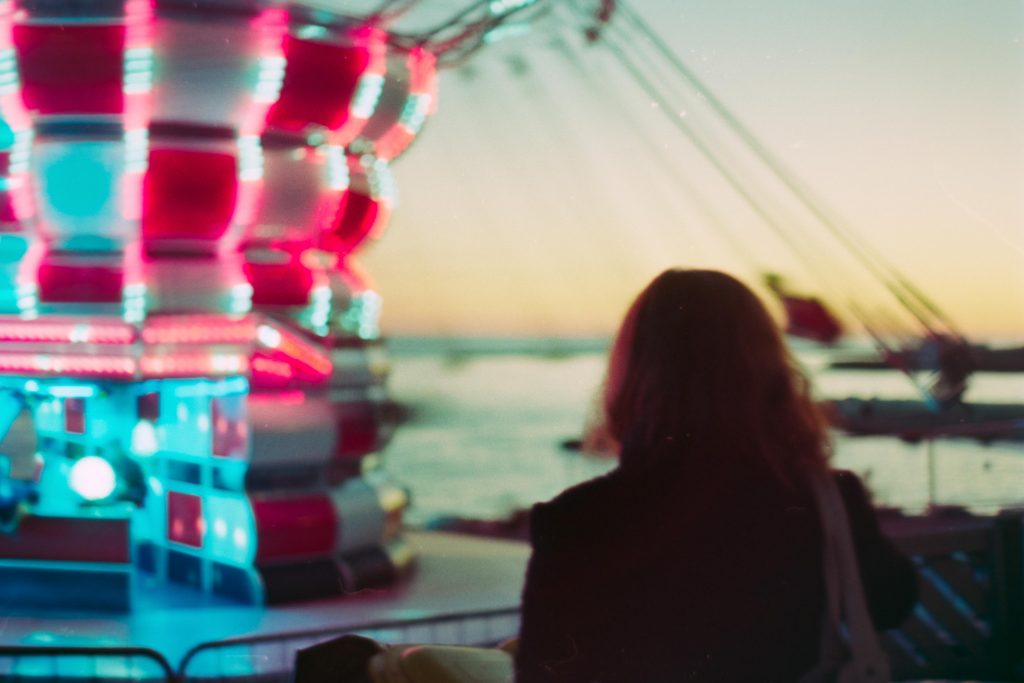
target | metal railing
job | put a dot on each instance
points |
(270, 657)
(68, 664)
(968, 625)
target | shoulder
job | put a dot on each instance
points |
(856, 496)
(577, 511)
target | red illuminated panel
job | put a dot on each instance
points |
(358, 431)
(294, 527)
(188, 195)
(320, 80)
(79, 283)
(355, 221)
(149, 406)
(269, 373)
(66, 332)
(280, 284)
(71, 68)
(229, 431)
(74, 415)
(67, 364)
(68, 539)
(185, 519)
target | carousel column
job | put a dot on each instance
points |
(16, 205)
(308, 449)
(73, 97)
(197, 192)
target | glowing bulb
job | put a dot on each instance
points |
(144, 440)
(92, 478)
(268, 336)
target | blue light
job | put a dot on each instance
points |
(92, 478)
(6, 135)
(79, 182)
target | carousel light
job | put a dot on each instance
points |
(92, 477)
(143, 440)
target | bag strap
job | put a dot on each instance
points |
(845, 599)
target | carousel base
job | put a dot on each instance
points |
(462, 590)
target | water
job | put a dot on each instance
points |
(484, 439)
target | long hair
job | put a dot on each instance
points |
(700, 363)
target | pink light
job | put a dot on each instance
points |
(271, 26)
(17, 199)
(306, 354)
(194, 364)
(198, 329)
(268, 373)
(66, 333)
(423, 74)
(138, 38)
(394, 141)
(21, 198)
(70, 365)
(293, 397)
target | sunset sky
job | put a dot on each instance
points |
(548, 188)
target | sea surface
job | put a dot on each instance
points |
(486, 424)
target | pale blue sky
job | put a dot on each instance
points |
(539, 201)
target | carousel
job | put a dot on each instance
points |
(192, 380)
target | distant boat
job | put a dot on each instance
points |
(916, 420)
(983, 359)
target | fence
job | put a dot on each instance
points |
(968, 625)
(270, 658)
(83, 664)
(969, 620)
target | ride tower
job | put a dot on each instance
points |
(191, 372)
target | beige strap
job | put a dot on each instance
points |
(845, 600)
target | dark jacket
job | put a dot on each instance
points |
(711, 573)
